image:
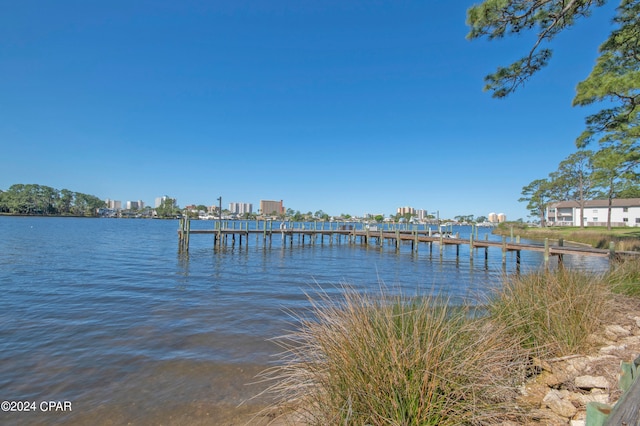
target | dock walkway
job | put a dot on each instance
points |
(224, 235)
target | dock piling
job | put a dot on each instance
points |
(546, 252)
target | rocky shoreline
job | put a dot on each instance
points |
(559, 394)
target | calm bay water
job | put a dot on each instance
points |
(106, 314)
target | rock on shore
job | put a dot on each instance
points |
(559, 394)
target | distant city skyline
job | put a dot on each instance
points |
(242, 207)
(346, 107)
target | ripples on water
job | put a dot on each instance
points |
(107, 314)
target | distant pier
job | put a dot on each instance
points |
(239, 233)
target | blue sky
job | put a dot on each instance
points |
(345, 106)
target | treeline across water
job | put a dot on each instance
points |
(32, 199)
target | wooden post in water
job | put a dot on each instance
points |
(181, 234)
(183, 229)
(188, 232)
(560, 255)
(471, 245)
(546, 252)
(504, 250)
(612, 251)
(187, 228)
(486, 250)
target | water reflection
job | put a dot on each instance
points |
(108, 314)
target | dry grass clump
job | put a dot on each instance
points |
(395, 360)
(602, 239)
(628, 244)
(553, 312)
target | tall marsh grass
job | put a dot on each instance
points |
(603, 239)
(624, 277)
(553, 312)
(394, 360)
(624, 238)
(362, 359)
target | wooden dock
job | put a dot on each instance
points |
(224, 235)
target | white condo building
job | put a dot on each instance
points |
(113, 204)
(624, 212)
(159, 201)
(135, 205)
(241, 208)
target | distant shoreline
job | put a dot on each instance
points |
(45, 215)
(78, 216)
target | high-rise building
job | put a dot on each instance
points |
(271, 207)
(113, 204)
(241, 208)
(159, 200)
(406, 210)
(135, 205)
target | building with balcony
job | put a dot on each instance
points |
(624, 212)
(406, 210)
